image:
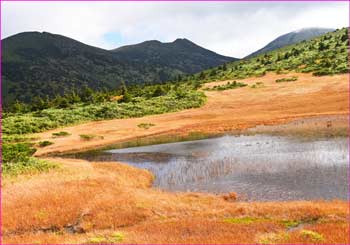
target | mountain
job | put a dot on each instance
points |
(45, 64)
(291, 38)
(182, 55)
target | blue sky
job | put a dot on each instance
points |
(229, 28)
(114, 38)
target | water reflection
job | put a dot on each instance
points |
(258, 167)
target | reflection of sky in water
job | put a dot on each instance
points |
(262, 167)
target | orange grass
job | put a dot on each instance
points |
(96, 200)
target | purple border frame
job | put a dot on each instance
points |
(251, 1)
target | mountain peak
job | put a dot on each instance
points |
(184, 41)
(180, 54)
(179, 40)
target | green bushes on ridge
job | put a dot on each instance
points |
(287, 79)
(324, 55)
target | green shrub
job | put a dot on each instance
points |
(19, 152)
(145, 125)
(323, 72)
(45, 143)
(287, 79)
(15, 138)
(60, 134)
(312, 235)
(226, 86)
(30, 166)
(17, 159)
(87, 136)
(90, 136)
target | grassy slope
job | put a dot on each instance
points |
(324, 55)
(291, 38)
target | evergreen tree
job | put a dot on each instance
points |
(179, 78)
(39, 104)
(212, 72)
(159, 91)
(322, 46)
(19, 107)
(74, 97)
(344, 37)
(64, 103)
(286, 55)
(125, 93)
(87, 94)
(196, 84)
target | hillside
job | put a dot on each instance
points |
(182, 55)
(45, 64)
(324, 55)
(291, 38)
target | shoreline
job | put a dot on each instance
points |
(302, 127)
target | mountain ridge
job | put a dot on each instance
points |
(171, 54)
(46, 64)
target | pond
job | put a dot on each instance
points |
(258, 167)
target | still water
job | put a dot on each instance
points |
(259, 167)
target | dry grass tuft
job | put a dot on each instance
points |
(231, 197)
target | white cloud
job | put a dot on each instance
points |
(229, 28)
